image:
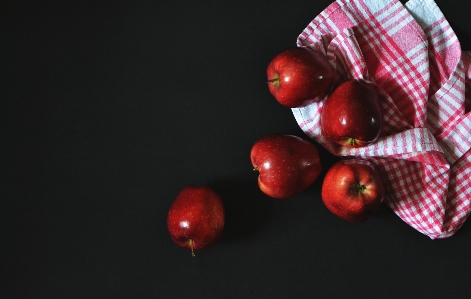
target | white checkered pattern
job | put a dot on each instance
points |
(413, 56)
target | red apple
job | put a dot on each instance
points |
(352, 189)
(351, 115)
(196, 218)
(297, 75)
(287, 164)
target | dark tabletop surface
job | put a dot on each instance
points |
(108, 109)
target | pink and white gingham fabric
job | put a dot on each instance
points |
(412, 54)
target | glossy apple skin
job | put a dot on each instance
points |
(287, 164)
(351, 115)
(298, 75)
(196, 218)
(352, 189)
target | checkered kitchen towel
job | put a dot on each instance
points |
(412, 54)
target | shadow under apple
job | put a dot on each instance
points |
(247, 209)
(385, 212)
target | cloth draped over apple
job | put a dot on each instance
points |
(411, 52)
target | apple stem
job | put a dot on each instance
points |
(191, 247)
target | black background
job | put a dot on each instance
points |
(108, 109)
